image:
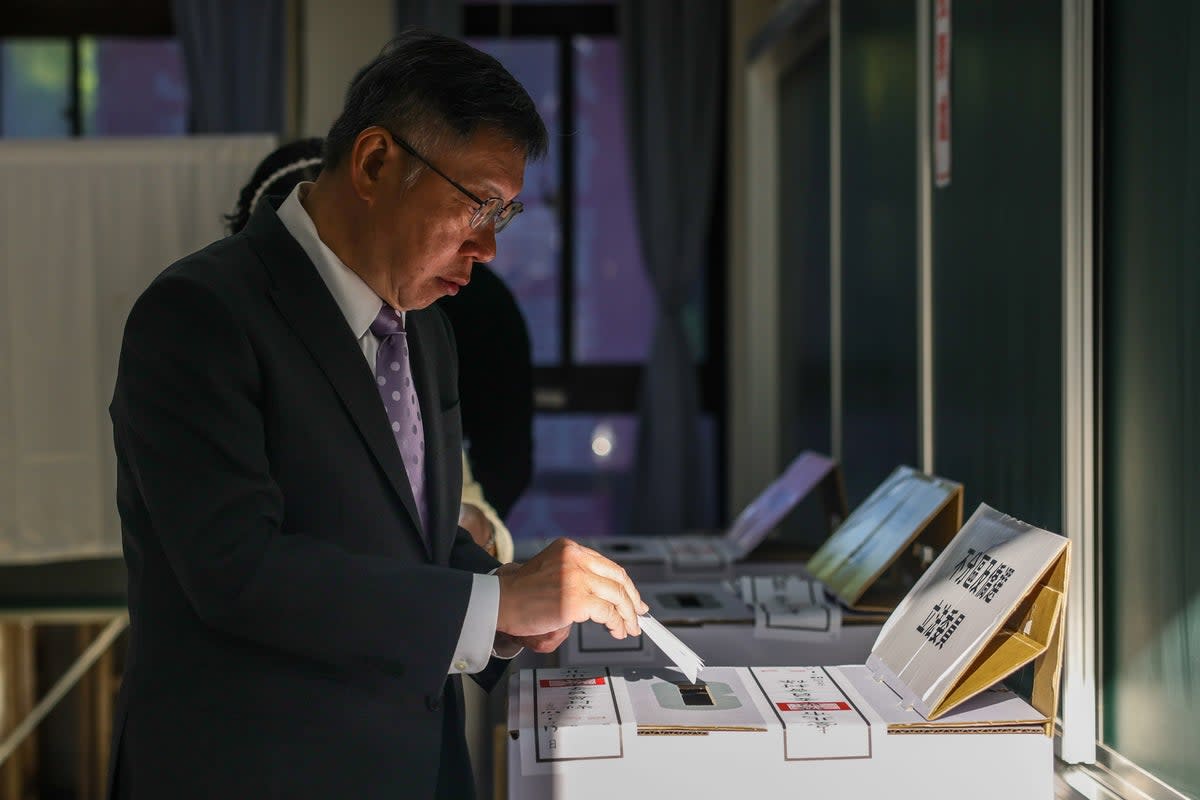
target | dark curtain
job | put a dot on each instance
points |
(674, 71)
(442, 16)
(234, 56)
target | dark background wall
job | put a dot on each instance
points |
(1151, 388)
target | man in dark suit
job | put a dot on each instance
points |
(287, 430)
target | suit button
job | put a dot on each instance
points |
(432, 702)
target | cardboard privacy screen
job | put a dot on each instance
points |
(807, 473)
(689, 555)
(992, 602)
(872, 560)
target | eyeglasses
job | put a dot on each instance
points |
(491, 210)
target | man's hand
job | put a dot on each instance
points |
(564, 584)
(508, 646)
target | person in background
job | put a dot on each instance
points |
(302, 602)
(491, 338)
(496, 378)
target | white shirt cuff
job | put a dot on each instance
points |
(478, 633)
(504, 646)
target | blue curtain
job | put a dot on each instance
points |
(234, 55)
(674, 71)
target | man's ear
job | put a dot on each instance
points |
(368, 156)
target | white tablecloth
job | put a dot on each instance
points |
(84, 226)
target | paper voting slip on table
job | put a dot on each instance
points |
(923, 718)
(871, 561)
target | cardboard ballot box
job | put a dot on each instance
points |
(923, 718)
(684, 556)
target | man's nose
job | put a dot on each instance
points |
(481, 243)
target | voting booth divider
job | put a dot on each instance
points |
(873, 558)
(856, 578)
(924, 716)
(691, 556)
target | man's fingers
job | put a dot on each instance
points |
(615, 593)
(600, 610)
(598, 564)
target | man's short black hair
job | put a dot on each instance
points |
(435, 91)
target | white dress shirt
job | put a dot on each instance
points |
(360, 305)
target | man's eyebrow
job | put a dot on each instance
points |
(488, 189)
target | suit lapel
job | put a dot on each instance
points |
(309, 309)
(424, 368)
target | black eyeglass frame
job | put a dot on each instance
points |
(500, 213)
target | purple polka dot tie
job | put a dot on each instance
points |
(394, 377)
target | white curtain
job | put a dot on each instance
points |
(84, 226)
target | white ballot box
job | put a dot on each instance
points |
(923, 718)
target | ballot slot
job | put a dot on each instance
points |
(695, 694)
(688, 600)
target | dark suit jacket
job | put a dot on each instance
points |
(290, 632)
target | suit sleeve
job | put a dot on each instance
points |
(188, 423)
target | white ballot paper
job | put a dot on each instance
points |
(680, 654)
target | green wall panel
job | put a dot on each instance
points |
(879, 216)
(1150, 582)
(804, 272)
(997, 263)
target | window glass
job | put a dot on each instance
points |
(133, 87)
(583, 472)
(614, 307)
(529, 252)
(35, 88)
